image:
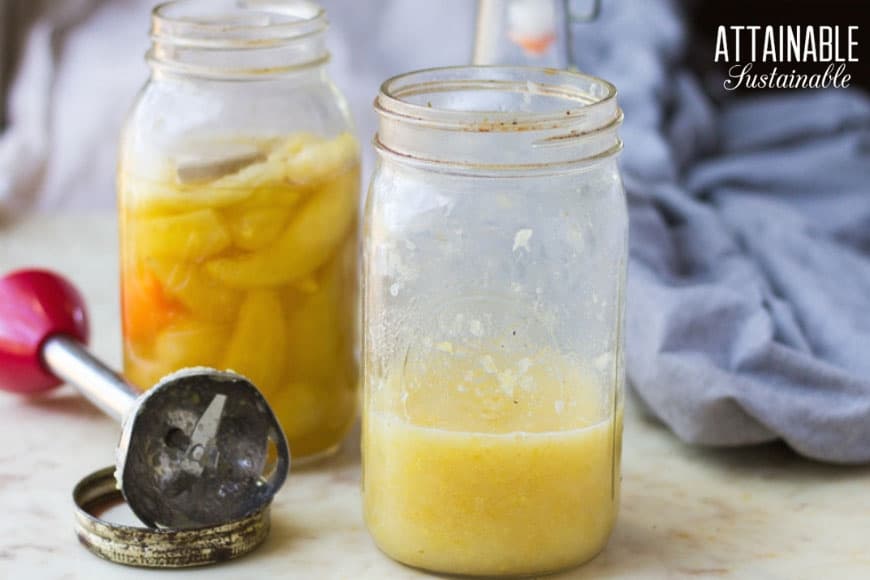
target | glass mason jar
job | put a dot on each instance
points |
(495, 252)
(238, 193)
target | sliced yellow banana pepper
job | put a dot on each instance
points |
(164, 195)
(258, 346)
(187, 236)
(320, 161)
(254, 228)
(327, 313)
(191, 343)
(300, 406)
(310, 237)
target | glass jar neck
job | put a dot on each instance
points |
(496, 119)
(245, 39)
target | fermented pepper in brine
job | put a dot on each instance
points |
(244, 257)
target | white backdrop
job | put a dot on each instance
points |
(83, 62)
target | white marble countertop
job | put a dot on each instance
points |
(760, 513)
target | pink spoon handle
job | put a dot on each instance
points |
(34, 306)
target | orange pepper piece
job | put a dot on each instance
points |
(146, 308)
(534, 45)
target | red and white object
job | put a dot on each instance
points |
(532, 25)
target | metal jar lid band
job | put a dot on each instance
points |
(158, 547)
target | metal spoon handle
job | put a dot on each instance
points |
(70, 361)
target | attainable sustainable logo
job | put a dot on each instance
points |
(787, 56)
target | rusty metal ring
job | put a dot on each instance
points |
(158, 547)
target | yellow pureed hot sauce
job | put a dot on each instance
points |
(511, 473)
(241, 253)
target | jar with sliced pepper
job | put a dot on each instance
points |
(239, 198)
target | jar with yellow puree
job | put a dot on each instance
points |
(238, 193)
(494, 272)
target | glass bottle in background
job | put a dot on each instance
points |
(238, 191)
(529, 32)
(495, 256)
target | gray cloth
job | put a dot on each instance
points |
(749, 286)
